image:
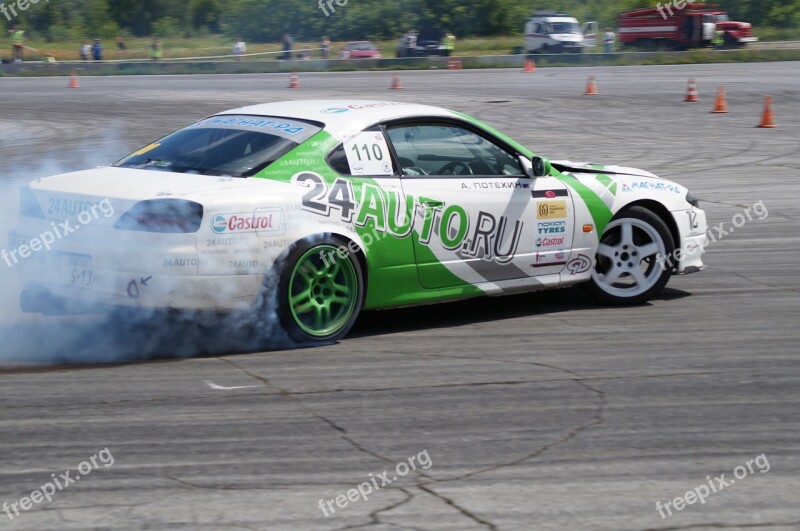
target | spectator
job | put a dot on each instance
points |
(608, 40)
(86, 51)
(17, 43)
(239, 49)
(325, 44)
(287, 46)
(411, 44)
(156, 50)
(719, 39)
(97, 50)
(449, 43)
(120, 43)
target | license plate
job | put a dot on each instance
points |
(76, 270)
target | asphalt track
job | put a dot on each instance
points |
(542, 411)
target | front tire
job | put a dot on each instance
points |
(630, 268)
(320, 294)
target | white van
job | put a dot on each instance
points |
(558, 32)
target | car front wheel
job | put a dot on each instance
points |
(632, 258)
(320, 294)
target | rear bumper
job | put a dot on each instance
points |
(96, 267)
(125, 290)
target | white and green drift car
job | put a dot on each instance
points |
(319, 209)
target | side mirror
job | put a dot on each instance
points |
(539, 167)
(535, 166)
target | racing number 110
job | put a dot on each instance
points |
(375, 149)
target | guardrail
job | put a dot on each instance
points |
(414, 63)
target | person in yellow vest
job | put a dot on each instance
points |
(156, 50)
(719, 39)
(17, 43)
(449, 43)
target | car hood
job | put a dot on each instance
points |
(589, 167)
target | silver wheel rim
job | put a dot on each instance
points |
(627, 258)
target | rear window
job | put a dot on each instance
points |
(229, 145)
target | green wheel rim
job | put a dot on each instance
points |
(323, 291)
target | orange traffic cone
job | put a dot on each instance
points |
(530, 66)
(73, 80)
(721, 104)
(692, 96)
(454, 64)
(767, 119)
(395, 81)
(294, 81)
(591, 87)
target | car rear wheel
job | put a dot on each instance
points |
(629, 267)
(320, 294)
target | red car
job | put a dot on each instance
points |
(361, 50)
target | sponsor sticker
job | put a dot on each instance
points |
(551, 209)
(551, 227)
(579, 264)
(550, 258)
(264, 221)
(555, 241)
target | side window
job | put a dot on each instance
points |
(363, 154)
(445, 149)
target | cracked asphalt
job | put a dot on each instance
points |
(541, 411)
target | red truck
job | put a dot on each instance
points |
(679, 25)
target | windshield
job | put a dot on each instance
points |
(563, 27)
(236, 146)
(721, 18)
(360, 46)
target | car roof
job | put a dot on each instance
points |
(343, 117)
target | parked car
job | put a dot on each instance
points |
(361, 50)
(548, 32)
(427, 42)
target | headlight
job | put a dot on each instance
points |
(692, 200)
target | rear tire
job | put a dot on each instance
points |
(629, 269)
(320, 294)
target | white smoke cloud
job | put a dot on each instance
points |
(118, 336)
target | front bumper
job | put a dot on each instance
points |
(693, 228)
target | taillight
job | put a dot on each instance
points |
(163, 215)
(28, 205)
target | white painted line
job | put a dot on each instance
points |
(212, 385)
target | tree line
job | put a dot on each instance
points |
(268, 20)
